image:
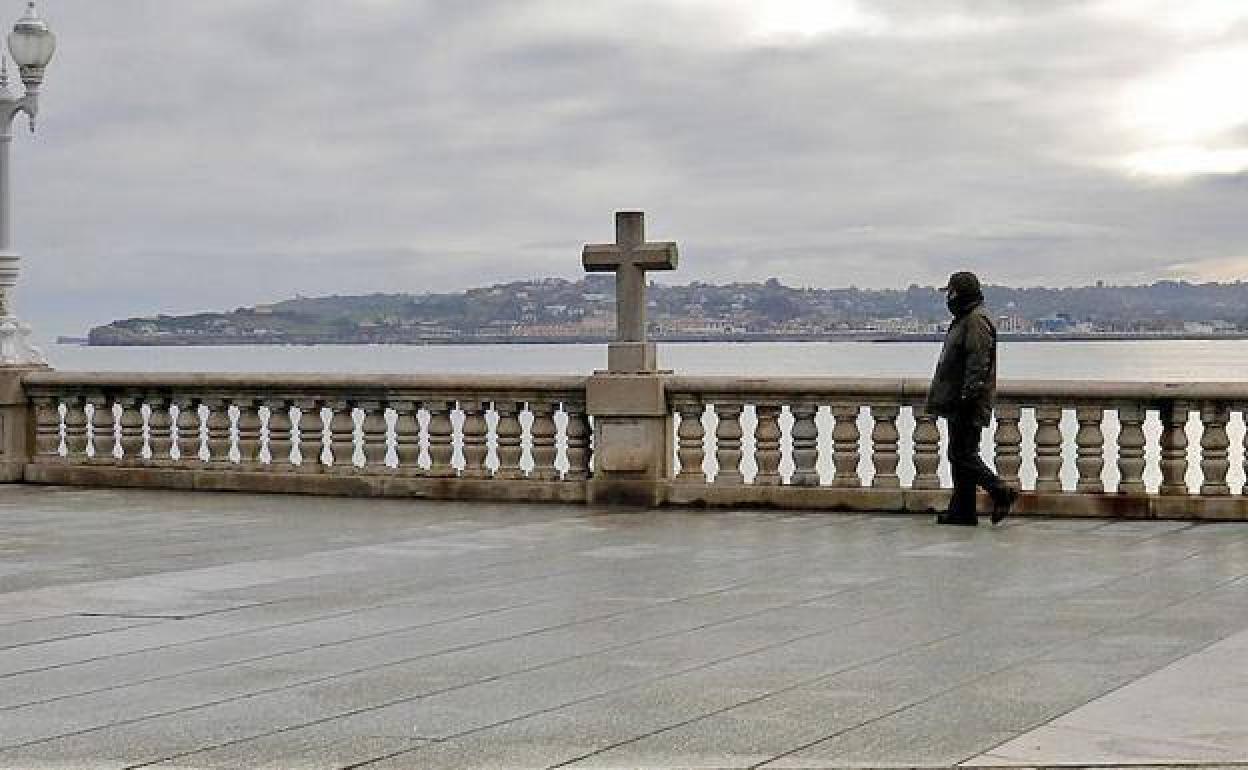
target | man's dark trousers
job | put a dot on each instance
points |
(969, 470)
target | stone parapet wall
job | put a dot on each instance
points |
(475, 437)
(1142, 450)
(1128, 449)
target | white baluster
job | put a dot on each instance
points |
(1174, 449)
(767, 444)
(884, 438)
(1131, 442)
(691, 435)
(728, 444)
(1090, 449)
(926, 450)
(1048, 449)
(845, 442)
(1214, 443)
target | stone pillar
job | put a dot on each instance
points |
(633, 448)
(17, 424)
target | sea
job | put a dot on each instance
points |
(1134, 360)
(1118, 360)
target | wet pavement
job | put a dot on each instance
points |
(197, 630)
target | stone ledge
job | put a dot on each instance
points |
(677, 494)
(356, 485)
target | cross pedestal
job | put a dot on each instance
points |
(632, 423)
(630, 257)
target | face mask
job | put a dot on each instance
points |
(951, 302)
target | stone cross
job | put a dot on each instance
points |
(630, 257)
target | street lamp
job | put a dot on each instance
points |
(32, 44)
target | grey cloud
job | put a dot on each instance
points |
(198, 155)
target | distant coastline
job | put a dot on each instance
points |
(557, 311)
(851, 336)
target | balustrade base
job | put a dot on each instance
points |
(600, 491)
(787, 497)
(353, 485)
(930, 501)
(636, 492)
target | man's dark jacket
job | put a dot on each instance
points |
(965, 382)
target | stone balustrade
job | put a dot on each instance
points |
(473, 437)
(1076, 448)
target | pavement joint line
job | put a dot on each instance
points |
(452, 650)
(57, 616)
(577, 701)
(345, 613)
(973, 680)
(178, 616)
(19, 645)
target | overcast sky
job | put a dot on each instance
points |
(206, 154)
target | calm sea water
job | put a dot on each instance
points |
(1169, 360)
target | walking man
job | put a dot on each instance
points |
(962, 391)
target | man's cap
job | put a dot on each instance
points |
(962, 282)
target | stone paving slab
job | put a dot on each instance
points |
(1195, 709)
(198, 630)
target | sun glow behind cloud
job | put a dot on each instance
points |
(779, 21)
(1183, 161)
(1185, 120)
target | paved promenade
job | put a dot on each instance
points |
(193, 630)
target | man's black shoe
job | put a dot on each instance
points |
(957, 521)
(1002, 504)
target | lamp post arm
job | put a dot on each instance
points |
(10, 108)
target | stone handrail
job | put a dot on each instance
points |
(839, 442)
(453, 437)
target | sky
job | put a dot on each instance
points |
(209, 154)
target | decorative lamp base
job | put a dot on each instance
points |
(15, 346)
